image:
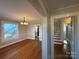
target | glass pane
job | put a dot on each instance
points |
(10, 31)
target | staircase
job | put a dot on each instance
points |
(59, 47)
(57, 38)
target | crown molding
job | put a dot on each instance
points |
(69, 9)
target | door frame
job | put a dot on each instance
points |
(74, 36)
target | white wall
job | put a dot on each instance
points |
(44, 40)
(0, 31)
(31, 30)
(48, 33)
(52, 38)
(21, 31)
(24, 32)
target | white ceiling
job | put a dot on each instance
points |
(56, 4)
(53, 6)
(18, 9)
(33, 9)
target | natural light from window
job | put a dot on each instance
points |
(10, 31)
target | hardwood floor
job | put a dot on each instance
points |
(27, 49)
(59, 52)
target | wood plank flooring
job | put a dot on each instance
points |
(27, 49)
(59, 52)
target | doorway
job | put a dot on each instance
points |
(63, 37)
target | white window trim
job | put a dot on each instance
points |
(2, 36)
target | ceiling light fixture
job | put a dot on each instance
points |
(24, 22)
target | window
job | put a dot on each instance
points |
(10, 31)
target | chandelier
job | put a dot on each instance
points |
(24, 22)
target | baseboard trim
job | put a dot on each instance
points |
(10, 43)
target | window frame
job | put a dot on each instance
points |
(2, 30)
